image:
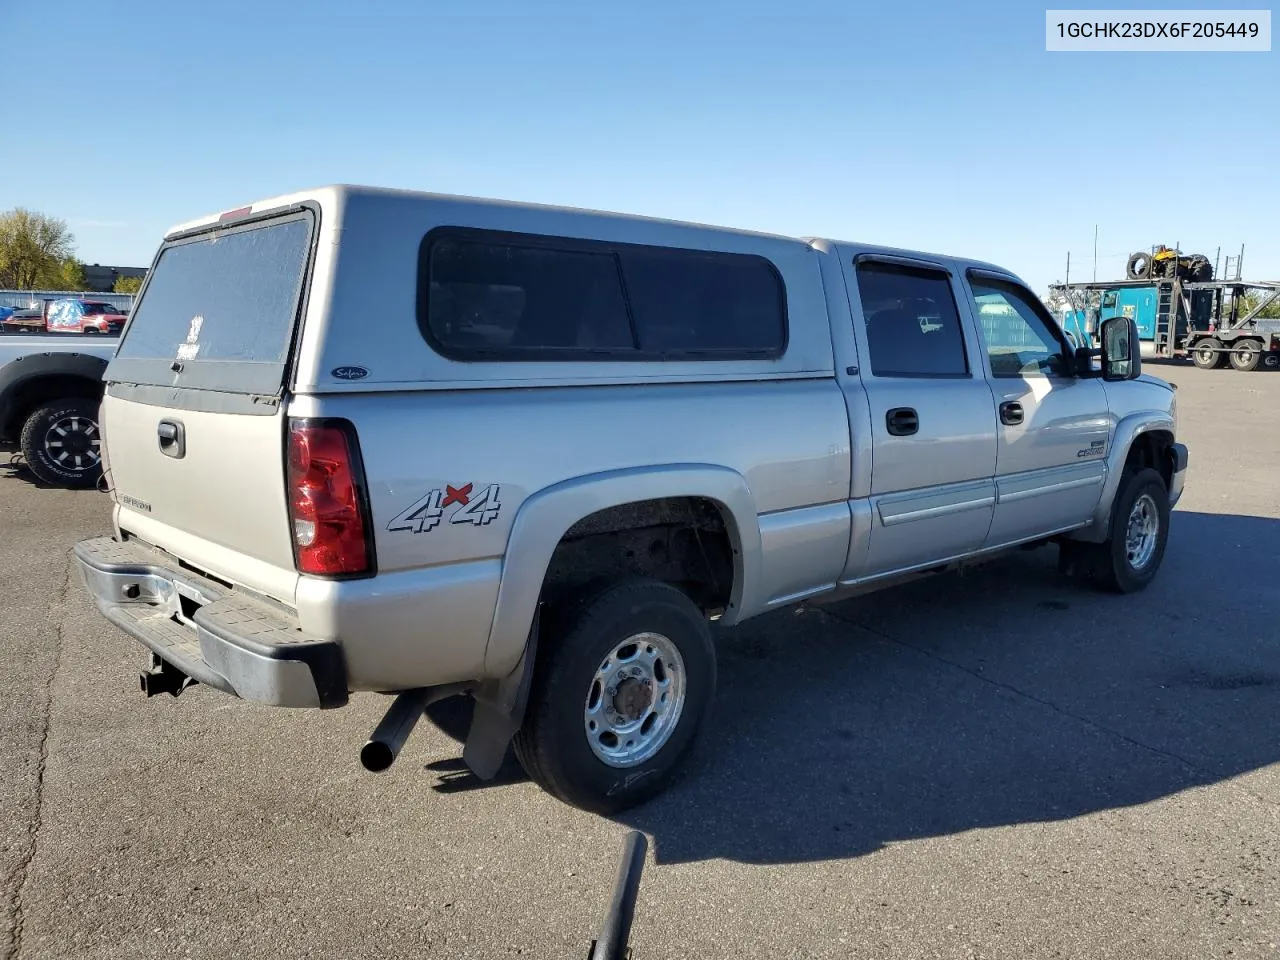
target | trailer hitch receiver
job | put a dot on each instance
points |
(163, 677)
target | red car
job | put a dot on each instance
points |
(83, 316)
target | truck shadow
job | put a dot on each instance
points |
(1001, 697)
(13, 465)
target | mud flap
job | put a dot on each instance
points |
(499, 712)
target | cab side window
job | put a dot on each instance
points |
(1020, 338)
(913, 326)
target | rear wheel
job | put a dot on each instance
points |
(61, 443)
(1271, 360)
(621, 687)
(1207, 353)
(1246, 355)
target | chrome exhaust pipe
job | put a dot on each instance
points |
(382, 748)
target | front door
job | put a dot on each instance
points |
(933, 431)
(1054, 428)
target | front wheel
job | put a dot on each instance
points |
(622, 684)
(1129, 559)
(61, 443)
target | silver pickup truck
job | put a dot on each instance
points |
(50, 389)
(369, 440)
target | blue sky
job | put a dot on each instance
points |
(939, 126)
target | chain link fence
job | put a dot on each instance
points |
(22, 299)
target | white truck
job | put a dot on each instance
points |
(566, 449)
(50, 388)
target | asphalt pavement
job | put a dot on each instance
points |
(1001, 764)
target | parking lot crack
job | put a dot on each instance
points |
(1192, 769)
(21, 872)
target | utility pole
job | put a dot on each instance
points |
(1095, 253)
(1068, 280)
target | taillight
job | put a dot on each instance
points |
(327, 503)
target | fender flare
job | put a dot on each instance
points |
(33, 366)
(1127, 431)
(546, 516)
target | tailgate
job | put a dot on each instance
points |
(192, 419)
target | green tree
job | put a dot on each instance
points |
(35, 251)
(69, 276)
(127, 285)
(1251, 300)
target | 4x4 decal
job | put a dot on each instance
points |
(455, 504)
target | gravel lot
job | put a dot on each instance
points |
(995, 765)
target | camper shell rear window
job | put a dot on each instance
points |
(219, 308)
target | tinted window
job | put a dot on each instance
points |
(689, 302)
(1019, 338)
(489, 295)
(913, 327)
(222, 296)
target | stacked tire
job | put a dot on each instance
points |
(1139, 266)
(1195, 268)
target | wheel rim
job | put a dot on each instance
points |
(635, 700)
(1205, 355)
(73, 443)
(1142, 532)
(1244, 356)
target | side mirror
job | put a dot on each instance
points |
(1121, 350)
(1084, 358)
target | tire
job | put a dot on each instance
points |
(58, 432)
(1246, 355)
(1201, 269)
(1207, 353)
(1126, 562)
(1139, 266)
(578, 659)
(1271, 360)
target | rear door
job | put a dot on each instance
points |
(1054, 428)
(193, 418)
(932, 424)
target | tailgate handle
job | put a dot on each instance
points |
(173, 439)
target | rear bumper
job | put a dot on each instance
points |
(1178, 478)
(234, 643)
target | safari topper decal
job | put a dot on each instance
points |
(191, 348)
(461, 504)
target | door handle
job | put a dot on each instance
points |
(1011, 413)
(902, 421)
(173, 438)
